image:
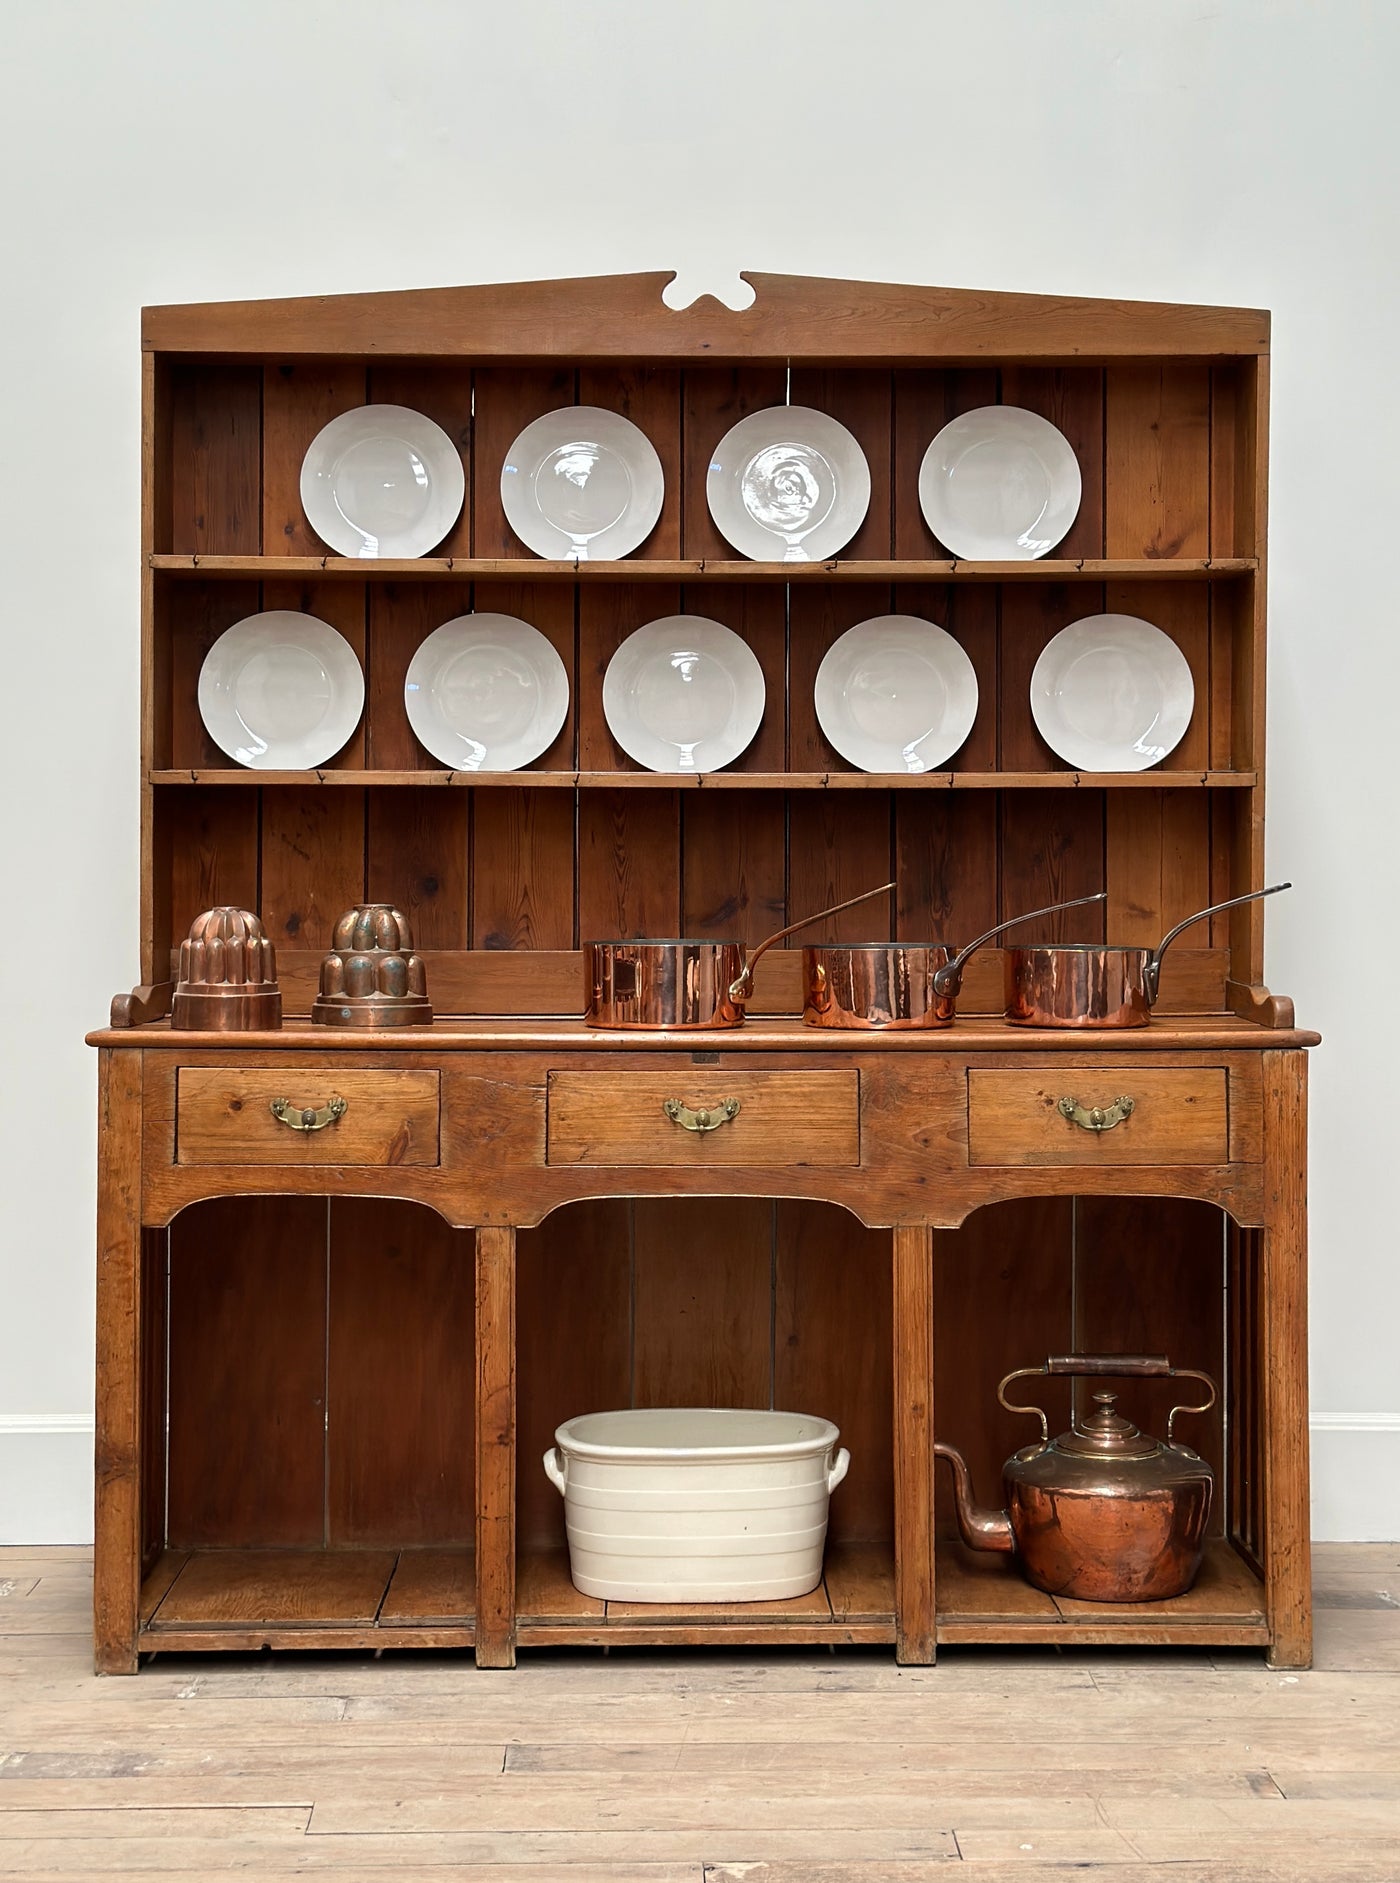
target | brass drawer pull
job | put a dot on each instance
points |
(306, 1118)
(1097, 1117)
(680, 1114)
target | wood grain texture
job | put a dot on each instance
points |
(862, 401)
(628, 865)
(915, 1593)
(400, 1405)
(703, 1299)
(297, 400)
(215, 436)
(651, 398)
(602, 1118)
(1283, 1334)
(120, 1440)
(840, 847)
(211, 838)
(715, 400)
(1052, 850)
(191, 621)
(248, 1362)
(312, 863)
(925, 398)
(1157, 460)
(225, 1117)
(301, 1587)
(1178, 1118)
(401, 617)
(442, 393)
(495, 1447)
(1072, 398)
(734, 868)
(418, 856)
(523, 877)
(508, 398)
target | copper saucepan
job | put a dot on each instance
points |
(1085, 984)
(657, 986)
(879, 986)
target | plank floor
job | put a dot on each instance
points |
(790, 1766)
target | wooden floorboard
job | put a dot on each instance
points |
(690, 1766)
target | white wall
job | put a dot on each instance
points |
(167, 150)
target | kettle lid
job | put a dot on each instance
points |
(1105, 1433)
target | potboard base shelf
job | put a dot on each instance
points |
(985, 1599)
(308, 1598)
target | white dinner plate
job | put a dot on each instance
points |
(382, 480)
(788, 484)
(1000, 485)
(1112, 693)
(486, 693)
(582, 484)
(281, 691)
(896, 694)
(683, 694)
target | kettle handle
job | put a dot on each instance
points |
(1138, 1366)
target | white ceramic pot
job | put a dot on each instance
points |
(682, 1504)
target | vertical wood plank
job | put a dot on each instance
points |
(714, 398)
(1225, 465)
(119, 1434)
(629, 864)
(342, 606)
(607, 614)
(508, 398)
(399, 1432)
(215, 440)
(650, 396)
(1182, 611)
(1052, 850)
(248, 1363)
(212, 839)
(970, 615)
(401, 617)
(417, 858)
(756, 615)
(298, 399)
(313, 861)
(702, 1333)
(925, 398)
(495, 1447)
(1157, 459)
(550, 608)
(1157, 864)
(915, 1596)
(818, 617)
(155, 1258)
(574, 1341)
(1032, 614)
(198, 613)
(840, 843)
(861, 399)
(1283, 1343)
(734, 864)
(833, 1352)
(443, 393)
(945, 864)
(1072, 398)
(522, 885)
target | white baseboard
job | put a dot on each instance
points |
(46, 1478)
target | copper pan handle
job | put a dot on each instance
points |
(948, 980)
(1140, 1366)
(740, 989)
(1152, 973)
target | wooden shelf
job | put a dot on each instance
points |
(702, 569)
(984, 1598)
(853, 1604)
(309, 1598)
(724, 781)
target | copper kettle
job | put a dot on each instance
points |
(1103, 1513)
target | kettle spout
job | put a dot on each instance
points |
(980, 1529)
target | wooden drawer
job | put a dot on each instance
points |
(1179, 1116)
(782, 1118)
(226, 1117)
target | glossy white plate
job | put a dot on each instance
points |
(281, 691)
(896, 694)
(788, 484)
(382, 481)
(582, 484)
(683, 694)
(1112, 693)
(486, 693)
(1000, 485)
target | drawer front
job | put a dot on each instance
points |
(782, 1118)
(1178, 1116)
(226, 1117)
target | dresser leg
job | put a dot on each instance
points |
(495, 1448)
(117, 1505)
(1283, 1312)
(914, 1602)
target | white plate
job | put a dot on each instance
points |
(1000, 485)
(582, 484)
(486, 693)
(788, 483)
(382, 480)
(281, 691)
(1112, 693)
(683, 694)
(896, 694)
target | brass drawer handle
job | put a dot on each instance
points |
(1097, 1117)
(306, 1118)
(680, 1114)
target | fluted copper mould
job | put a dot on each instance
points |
(660, 986)
(372, 977)
(1086, 984)
(228, 975)
(879, 986)
(1103, 1513)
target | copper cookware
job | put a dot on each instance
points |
(877, 986)
(1103, 1513)
(660, 986)
(372, 977)
(1066, 984)
(228, 975)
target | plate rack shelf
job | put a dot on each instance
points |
(328, 1365)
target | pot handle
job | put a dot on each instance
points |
(1152, 972)
(1138, 1366)
(840, 1465)
(554, 1468)
(948, 979)
(741, 988)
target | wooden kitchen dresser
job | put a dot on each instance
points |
(328, 1364)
